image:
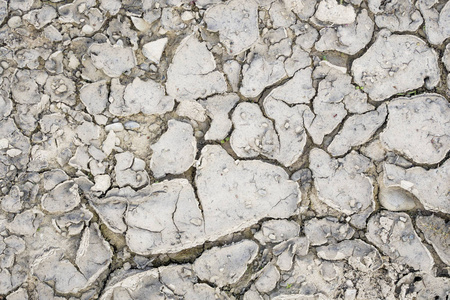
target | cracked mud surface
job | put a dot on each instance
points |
(207, 149)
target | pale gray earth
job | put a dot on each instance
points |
(240, 149)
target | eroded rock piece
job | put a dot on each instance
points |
(175, 150)
(226, 265)
(394, 235)
(418, 127)
(341, 183)
(407, 63)
(193, 74)
(246, 192)
(357, 130)
(297, 90)
(236, 22)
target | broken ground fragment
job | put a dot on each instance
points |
(237, 194)
(349, 38)
(192, 73)
(113, 60)
(357, 130)
(5, 107)
(268, 278)
(3, 10)
(63, 198)
(174, 152)
(275, 231)
(298, 89)
(41, 17)
(236, 22)
(16, 152)
(127, 173)
(192, 109)
(171, 282)
(437, 23)
(147, 97)
(394, 235)
(289, 128)
(54, 268)
(431, 187)
(359, 254)
(407, 63)
(217, 108)
(60, 89)
(335, 92)
(327, 230)
(341, 183)
(330, 11)
(445, 60)
(424, 286)
(176, 222)
(400, 15)
(253, 133)
(418, 127)
(26, 90)
(95, 97)
(437, 233)
(285, 251)
(226, 265)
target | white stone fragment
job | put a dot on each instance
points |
(95, 97)
(398, 240)
(153, 50)
(418, 128)
(64, 197)
(102, 183)
(192, 73)
(147, 97)
(331, 11)
(341, 183)
(429, 186)
(226, 265)
(192, 110)
(268, 279)
(113, 60)
(233, 202)
(217, 108)
(236, 22)
(357, 130)
(175, 151)
(411, 63)
(40, 17)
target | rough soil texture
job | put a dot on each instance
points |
(239, 149)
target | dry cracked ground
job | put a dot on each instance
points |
(241, 149)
